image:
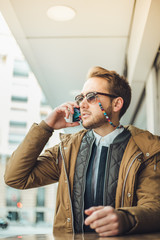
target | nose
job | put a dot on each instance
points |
(84, 103)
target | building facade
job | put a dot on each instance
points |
(22, 103)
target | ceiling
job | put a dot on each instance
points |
(60, 53)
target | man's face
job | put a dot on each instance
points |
(91, 114)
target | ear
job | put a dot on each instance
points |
(117, 104)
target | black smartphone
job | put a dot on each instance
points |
(76, 115)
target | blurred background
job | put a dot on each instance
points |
(22, 102)
(46, 50)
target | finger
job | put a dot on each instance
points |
(109, 233)
(106, 221)
(94, 216)
(106, 227)
(100, 222)
(70, 106)
(101, 213)
(61, 109)
(89, 211)
(65, 110)
(74, 124)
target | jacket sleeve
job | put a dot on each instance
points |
(147, 211)
(27, 168)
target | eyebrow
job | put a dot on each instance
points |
(100, 93)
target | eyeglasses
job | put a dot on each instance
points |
(91, 97)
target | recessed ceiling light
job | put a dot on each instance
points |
(61, 13)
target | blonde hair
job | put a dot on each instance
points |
(118, 85)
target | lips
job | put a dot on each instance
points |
(85, 114)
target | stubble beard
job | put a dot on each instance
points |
(98, 121)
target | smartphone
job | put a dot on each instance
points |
(76, 117)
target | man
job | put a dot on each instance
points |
(109, 175)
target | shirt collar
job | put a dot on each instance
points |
(107, 139)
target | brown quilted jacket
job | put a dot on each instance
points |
(138, 188)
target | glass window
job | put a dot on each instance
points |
(12, 198)
(44, 101)
(141, 115)
(40, 197)
(18, 109)
(15, 138)
(18, 124)
(43, 116)
(157, 66)
(19, 99)
(39, 217)
(20, 68)
(40, 203)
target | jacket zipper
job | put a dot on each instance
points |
(68, 188)
(124, 185)
(85, 187)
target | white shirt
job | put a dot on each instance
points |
(102, 141)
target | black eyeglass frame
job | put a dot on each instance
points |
(97, 93)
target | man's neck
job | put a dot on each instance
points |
(104, 130)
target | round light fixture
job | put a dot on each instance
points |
(61, 13)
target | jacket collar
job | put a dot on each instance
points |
(148, 143)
